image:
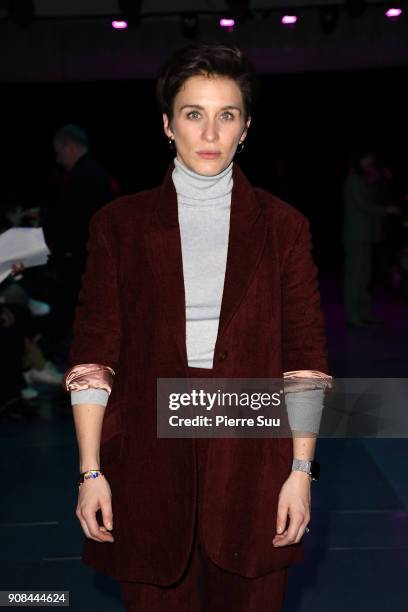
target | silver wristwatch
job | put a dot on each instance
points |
(309, 466)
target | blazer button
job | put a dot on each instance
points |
(222, 356)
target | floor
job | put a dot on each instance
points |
(356, 551)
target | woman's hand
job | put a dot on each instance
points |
(95, 494)
(294, 503)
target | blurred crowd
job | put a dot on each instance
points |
(37, 304)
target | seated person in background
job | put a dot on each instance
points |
(19, 312)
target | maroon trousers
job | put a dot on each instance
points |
(205, 587)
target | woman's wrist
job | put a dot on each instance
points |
(89, 475)
(89, 464)
(300, 476)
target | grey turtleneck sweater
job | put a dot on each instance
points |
(204, 205)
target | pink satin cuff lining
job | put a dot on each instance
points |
(88, 376)
(96, 376)
(306, 374)
(314, 380)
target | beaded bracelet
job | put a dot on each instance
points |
(89, 474)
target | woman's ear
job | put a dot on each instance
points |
(167, 126)
(245, 132)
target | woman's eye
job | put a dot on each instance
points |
(227, 115)
(193, 115)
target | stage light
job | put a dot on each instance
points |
(119, 24)
(131, 10)
(289, 19)
(21, 12)
(355, 7)
(393, 13)
(189, 24)
(227, 23)
(328, 18)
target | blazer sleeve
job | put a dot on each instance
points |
(97, 326)
(304, 340)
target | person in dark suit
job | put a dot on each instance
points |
(87, 186)
(208, 276)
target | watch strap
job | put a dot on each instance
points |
(309, 466)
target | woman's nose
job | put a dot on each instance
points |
(210, 132)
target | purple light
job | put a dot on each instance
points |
(289, 19)
(119, 24)
(227, 23)
(393, 13)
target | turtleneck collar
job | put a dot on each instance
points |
(198, 190)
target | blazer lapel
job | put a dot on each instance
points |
(164, 246)
(247, 236)
(246, 242)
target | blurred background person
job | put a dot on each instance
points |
(364, 193)
(86, 187)
(26, 357)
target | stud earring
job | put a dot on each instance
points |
(240, 147)
(172, 144)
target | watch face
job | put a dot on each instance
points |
(315, 470)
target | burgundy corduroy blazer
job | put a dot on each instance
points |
(131, 317)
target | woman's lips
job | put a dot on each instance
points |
(209, 154)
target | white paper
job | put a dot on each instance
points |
(22, 244)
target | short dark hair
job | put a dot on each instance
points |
(72, 133)
(209, 59)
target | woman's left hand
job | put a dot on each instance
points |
(293, 504)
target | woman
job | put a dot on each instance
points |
(203, 276)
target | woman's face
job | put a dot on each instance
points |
(208, 123)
